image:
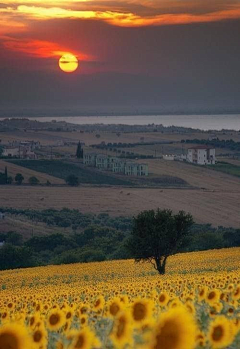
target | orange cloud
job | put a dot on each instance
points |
(43, 49)
(124, 18)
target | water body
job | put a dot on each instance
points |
(203, 122)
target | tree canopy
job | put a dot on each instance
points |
(158, 234)
(72, 180)
(19, 178)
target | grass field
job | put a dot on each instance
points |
(226, 167)
(121, 304)
(62, 169)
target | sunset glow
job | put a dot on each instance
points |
(19, 16)
(168, 45)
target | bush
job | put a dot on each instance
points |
(33, 180)
(72, 180)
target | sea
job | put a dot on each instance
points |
(202, 122)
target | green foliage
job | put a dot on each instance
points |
(158, 234)
(19, 178)
(72, 180)
(61, 169)
(14, 238)
(92, 237)
(15, 257)
(4, 178)
(216, 143)
(33, 180)
(79, 152)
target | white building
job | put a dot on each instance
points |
(20, 152)
(117, 165)
(169, 157)
(89, 159)
(10, 152)
(102, 161)
(135, 169)
(114, 164)
(201, 155)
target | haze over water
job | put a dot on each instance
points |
(203, 122)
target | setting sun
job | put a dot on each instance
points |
(68, 63)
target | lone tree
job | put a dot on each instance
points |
(79, 152)
(19, 178)
(156, 235)
(72, 180)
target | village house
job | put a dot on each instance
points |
(19, 152)
(118, 165)
(89, 159)
(135, 169)
(114, 164)
(201, 155)
(102, 161)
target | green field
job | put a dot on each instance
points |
(63, 169)
(226, 167)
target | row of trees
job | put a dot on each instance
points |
(18, 179)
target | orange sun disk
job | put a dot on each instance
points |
(68, 63)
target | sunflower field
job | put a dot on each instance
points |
(122, 304)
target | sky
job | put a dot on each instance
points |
(134, 55)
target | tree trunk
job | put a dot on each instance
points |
(161, 265)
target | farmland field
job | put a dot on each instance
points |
(121, 304)
(206, 206)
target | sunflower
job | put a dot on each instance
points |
(236, 293)
(212, 296)
(141, 311)
(163, 299)
(176, 329)
(200, 339)
(84, 339)
(14, 336)
(83, 320)
(221, 333)
(122, 330)
(40, 337)
(55, 320)
(202, 293)
(99, 303)
(114, 306)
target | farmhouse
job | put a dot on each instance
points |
(201, 155)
